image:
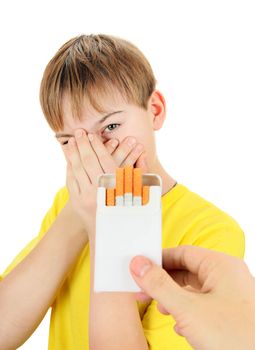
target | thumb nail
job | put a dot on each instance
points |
(140, 265)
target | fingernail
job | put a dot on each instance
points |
(140, 265)
(90, 137)
(131, 141)
(114, 143)
(79, 133)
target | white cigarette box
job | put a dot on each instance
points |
(123, 232)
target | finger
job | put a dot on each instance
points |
(125, 147)
(143, 297)
(76, 164)
(142, 163)
(199, 261)
(111, 145)
(155, 281)
(162, 309)
(192, 289)
(71, 183)
(133, 155)
(64, 149)
(185, 278)
(89, 159)
(178, 330)
(105, 160)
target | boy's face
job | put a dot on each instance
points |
(120, 120)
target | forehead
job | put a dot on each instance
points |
(109, 102)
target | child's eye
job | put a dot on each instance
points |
(111, 127)
(64, 143)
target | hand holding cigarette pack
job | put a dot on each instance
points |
(128, 223)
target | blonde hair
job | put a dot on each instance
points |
(89, 65)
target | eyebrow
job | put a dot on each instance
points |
(58, 135)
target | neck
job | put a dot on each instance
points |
(167, 181)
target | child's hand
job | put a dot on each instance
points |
(87, 158)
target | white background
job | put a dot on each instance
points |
(202, 53)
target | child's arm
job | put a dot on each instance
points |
(114, 318)
(28, 291)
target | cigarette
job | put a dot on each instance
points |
(129, 189)
(137, 185)
(128, 185)
(110, 196)
(145, 197)
(119, 186)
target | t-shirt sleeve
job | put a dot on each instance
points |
(58, 203)
(225, 237)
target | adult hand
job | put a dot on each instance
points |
(220, 314)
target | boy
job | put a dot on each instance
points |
(95, 89)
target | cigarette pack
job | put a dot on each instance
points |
(124, 231)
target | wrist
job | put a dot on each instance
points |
(74, 221)
(86, 220)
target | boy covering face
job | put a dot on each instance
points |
(95, 91)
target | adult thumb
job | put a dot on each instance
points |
(157, 283)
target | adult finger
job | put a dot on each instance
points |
(198, 261)
(162, 309)
(143, 297)
(155, 281)
(185, 278)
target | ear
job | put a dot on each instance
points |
(157, 107)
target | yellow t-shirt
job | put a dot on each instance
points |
(186, 219)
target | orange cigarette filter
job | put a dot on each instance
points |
(145, 197)
(128, 182)
(119, 181)
(110, 196)
(137, 185)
